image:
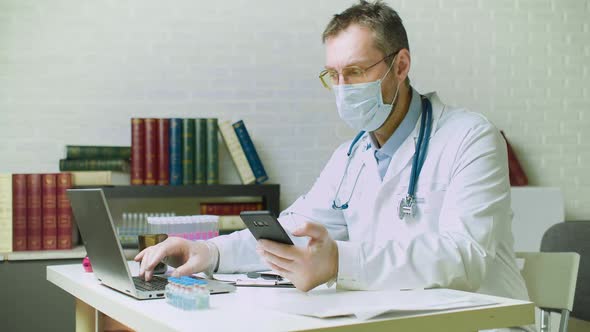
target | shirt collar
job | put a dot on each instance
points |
(403, 130)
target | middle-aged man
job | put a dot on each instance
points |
(420, 198)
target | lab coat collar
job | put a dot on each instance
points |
(404, 154)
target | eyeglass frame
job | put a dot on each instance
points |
(326, 71)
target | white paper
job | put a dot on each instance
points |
(324, 303)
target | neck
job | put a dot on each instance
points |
(396, 117)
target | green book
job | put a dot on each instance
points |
(212, 152)
(120, 165)
(97, 152)
(188, 151)
(200, 151)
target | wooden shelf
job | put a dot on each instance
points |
(270, 193)
(78, 252)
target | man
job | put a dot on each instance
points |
(365, 224)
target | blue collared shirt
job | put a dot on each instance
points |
(383, 155)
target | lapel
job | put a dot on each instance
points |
(403, 156)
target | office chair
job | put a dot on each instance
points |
(551, 282)
(573, 236)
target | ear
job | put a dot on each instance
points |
(401, 67)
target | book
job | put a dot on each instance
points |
(120, 165)
(49, 212)
(188, 151)
(99, 178)
(231, 223)
(250, 151)
(200, 151)
(5, 212)
(163, 152)
(65, 218)
(236, 152)
(97, 152)
(19, 212)
(175, 158)
(224, 209)
(34, 211)
(137, 151)
(212, 152)
(151, 151)
(515, 171)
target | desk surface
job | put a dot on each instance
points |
(239, 310)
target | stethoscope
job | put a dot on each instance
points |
(407, 205)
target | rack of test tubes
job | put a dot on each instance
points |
(187, 293)
(133, 224)
(197, 227)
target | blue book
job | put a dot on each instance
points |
(175, 152)
(250, 152)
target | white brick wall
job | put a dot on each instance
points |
(74, 72)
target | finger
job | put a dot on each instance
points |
(285, 264)
(279, 249)
(139, 256)
(184, 270)
(284, 273)
(143, 265)
(312, 229)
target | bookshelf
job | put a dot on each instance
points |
(270, 193)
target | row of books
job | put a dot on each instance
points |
(35, 213)
(229, 213)
(174, 151)
(185, 151)
(96, 158)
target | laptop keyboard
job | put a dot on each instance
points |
(155, 284)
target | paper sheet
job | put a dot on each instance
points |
(324, 303)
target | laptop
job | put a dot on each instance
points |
(95, 222)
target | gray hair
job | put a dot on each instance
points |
(389, 32)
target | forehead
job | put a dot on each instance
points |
(352, 46)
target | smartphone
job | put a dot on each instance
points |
(263, 225)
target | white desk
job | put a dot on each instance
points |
(239, 311)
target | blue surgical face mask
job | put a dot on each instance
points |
(361, 105)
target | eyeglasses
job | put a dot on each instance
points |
(350, 75)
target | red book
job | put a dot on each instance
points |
(229, 209)
(137, 151)
(64, 212)
(515, 171)
(19, 212)
(151, 151)
(49, 209)
(34, 211)
(163, 152)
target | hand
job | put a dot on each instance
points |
(307, 267)
(192, 257)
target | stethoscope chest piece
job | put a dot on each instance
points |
(407, 207)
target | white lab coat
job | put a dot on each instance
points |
(461, 237)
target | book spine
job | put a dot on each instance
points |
(212, 152)
(97, 152)
(5, 212)
(188, 151)
(49, 212)
(175, 152)
(163, 152)
(64, 212)
(250, 151)
(231, 223)
(118, 165)
(34, 211)
(236, 152)
(19, 212)
(227, 209)
(151, 151)
(137, 151)
(200, 151)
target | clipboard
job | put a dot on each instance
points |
(255, 279)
